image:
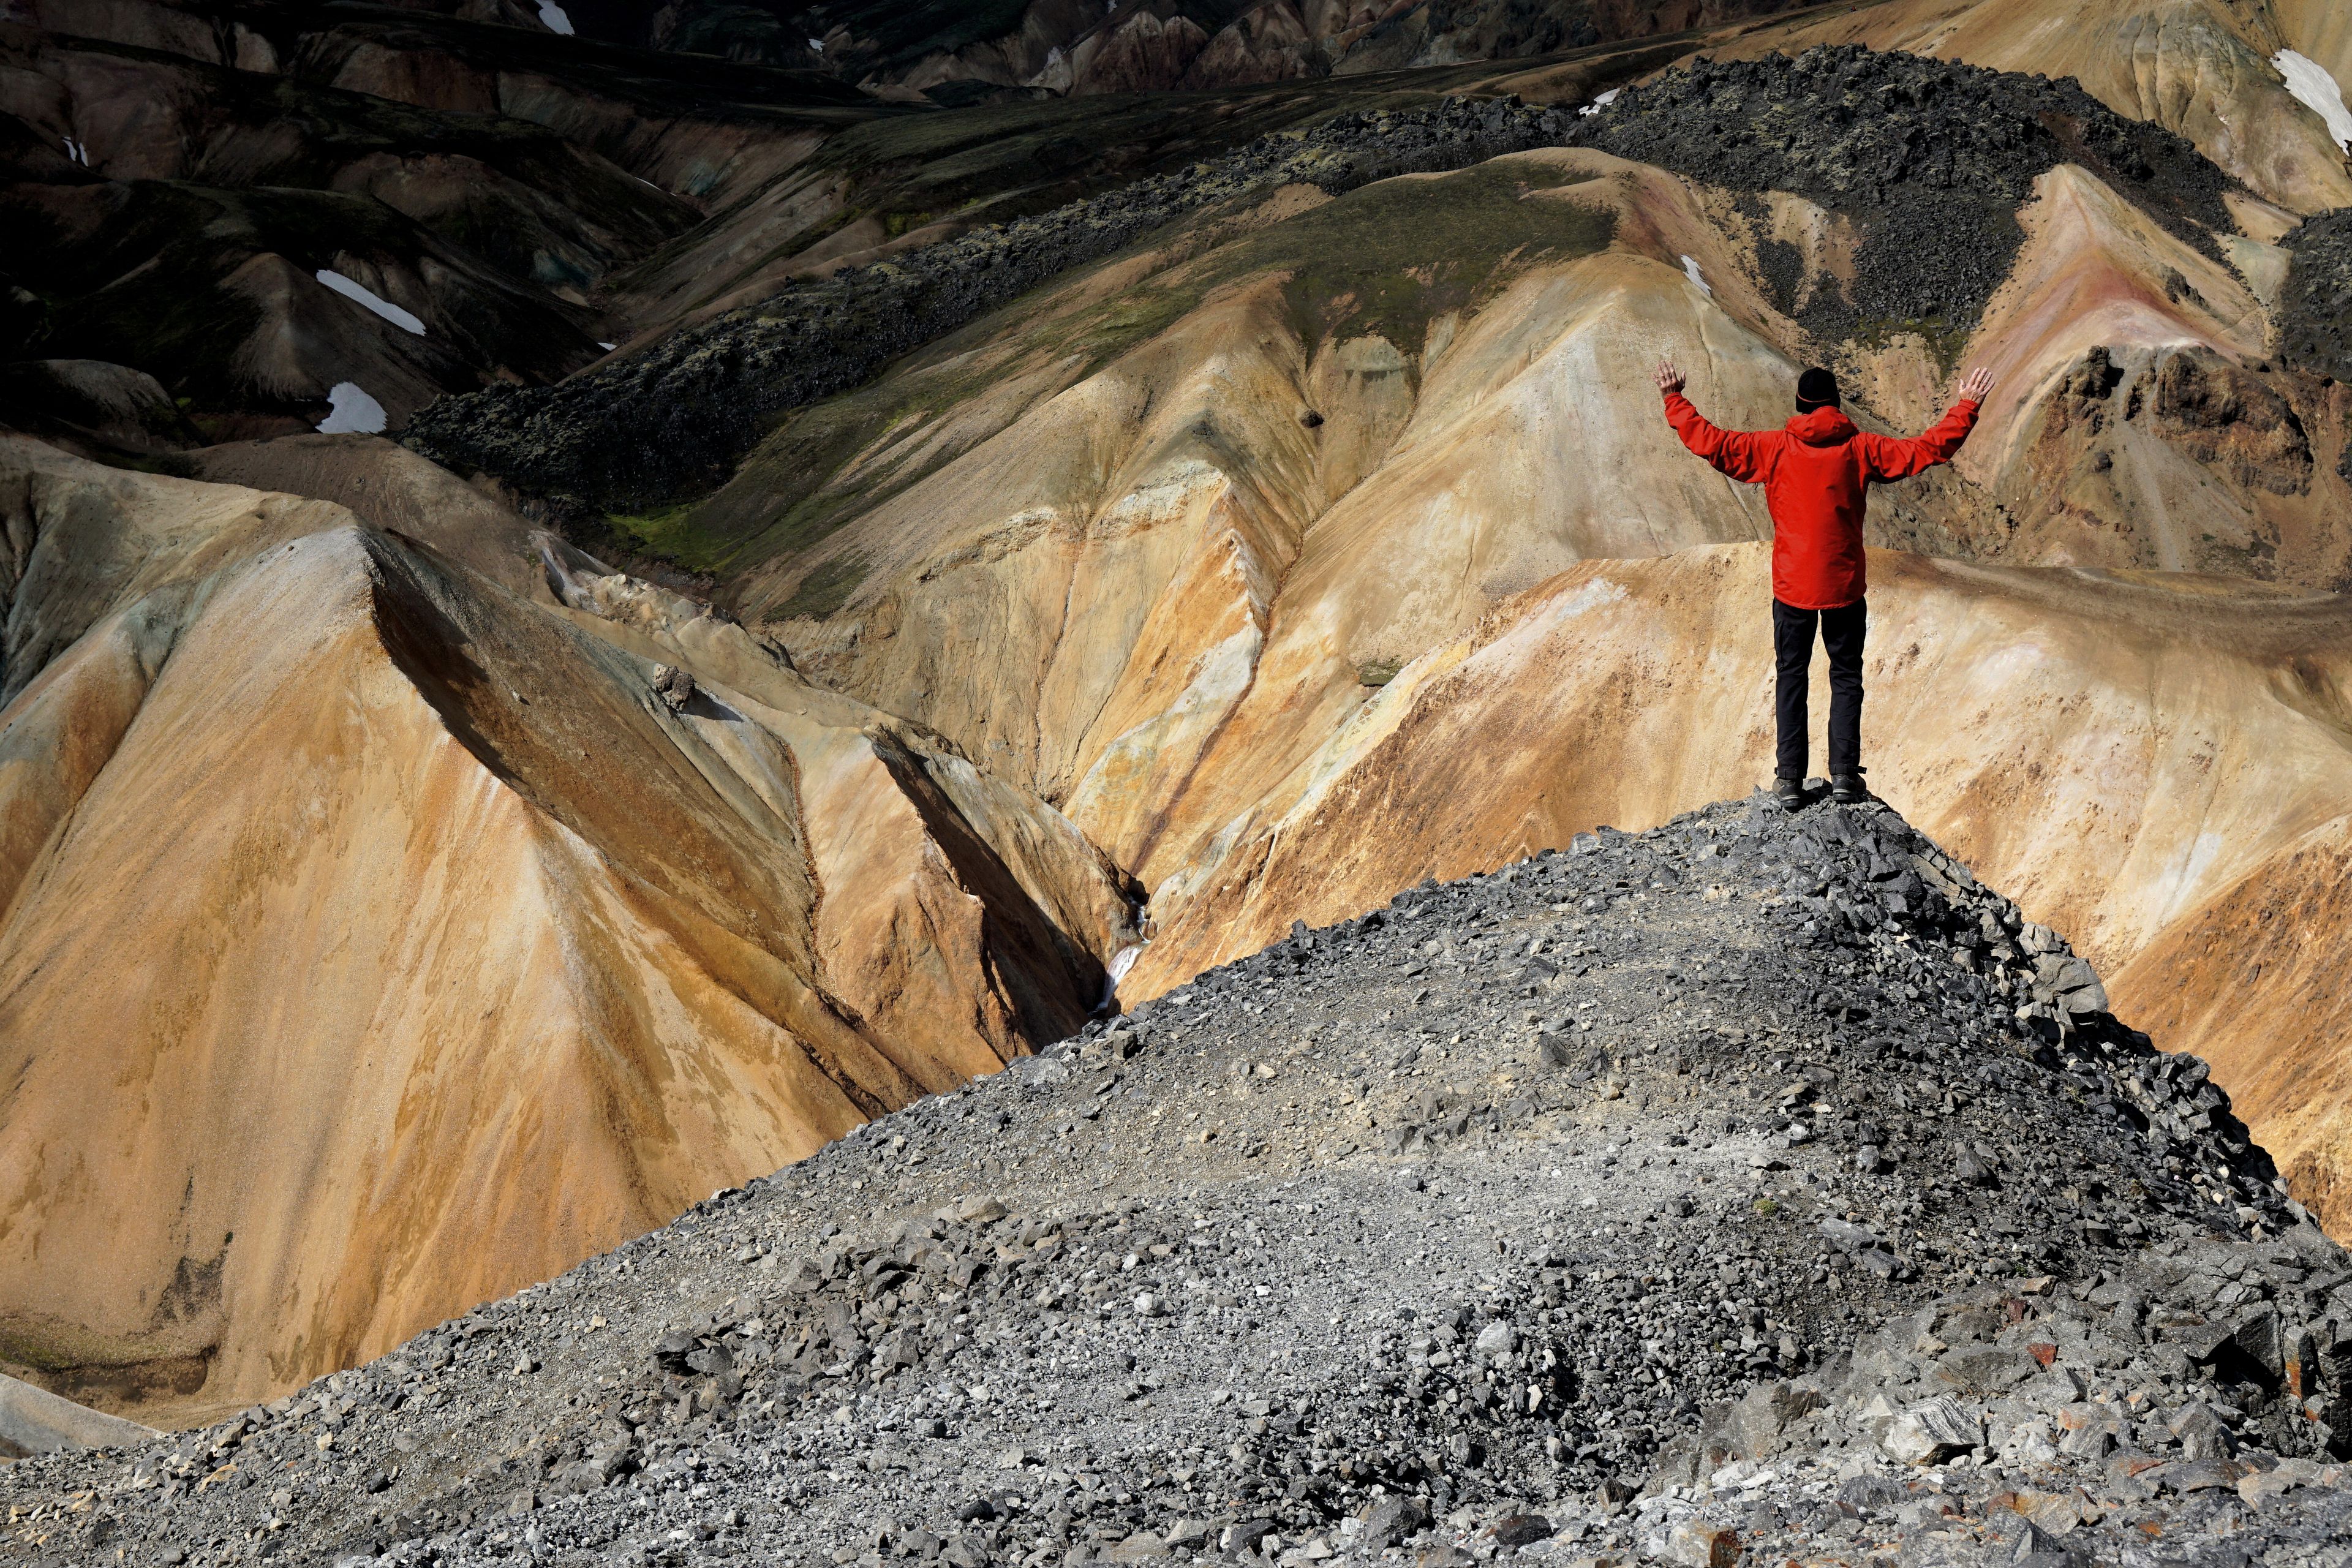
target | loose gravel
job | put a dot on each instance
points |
(1643, 1197)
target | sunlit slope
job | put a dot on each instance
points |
(1202, 501)
(459, 952)
(1329, 435)
(2141, 420)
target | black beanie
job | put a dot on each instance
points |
(1817, 388)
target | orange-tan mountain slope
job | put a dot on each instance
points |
(470, 938)
(1200, 502)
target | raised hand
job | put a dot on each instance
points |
(1670, 380)
(1979, 382)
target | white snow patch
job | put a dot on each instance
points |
(350, 411)
(605, 346)
(2316, 90)
(1602, 102)
(1690, 270)
(551, 14)
(76, 152)
(817, 45)
(371, 300)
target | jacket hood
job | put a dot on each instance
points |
(1823, 427)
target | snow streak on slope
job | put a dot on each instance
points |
(2318, 91)
(351, 288)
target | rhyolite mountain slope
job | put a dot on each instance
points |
(1449, 1227)
(664, 425)
(1889, 213)
(1207, 501)
(490, 908)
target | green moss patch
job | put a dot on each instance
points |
(668, 534)
(827, 588)
(1393, 257)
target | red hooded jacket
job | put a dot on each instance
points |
(1815, 472)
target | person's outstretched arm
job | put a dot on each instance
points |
(1745, 455)
(1888, 457)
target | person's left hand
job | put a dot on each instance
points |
(1973, 389)
(1670, 380)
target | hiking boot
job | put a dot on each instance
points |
(1791, 792)
(1847, 789)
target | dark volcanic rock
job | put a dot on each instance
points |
(1932, 156)
(2315, 314)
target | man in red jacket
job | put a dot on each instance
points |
(1816, 472)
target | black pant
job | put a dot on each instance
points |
(1792, 644)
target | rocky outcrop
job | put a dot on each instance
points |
(2318, 302)
(2203, 68)
(2084, 1405)
(1931, 159)
(2230, 421)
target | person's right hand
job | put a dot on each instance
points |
(1670, 380)
(1979, 382)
